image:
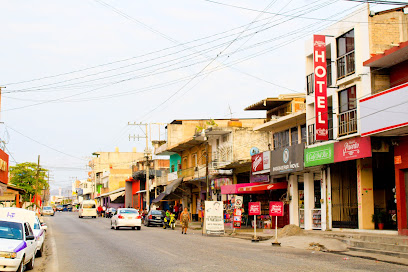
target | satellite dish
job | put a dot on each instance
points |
(254, 151)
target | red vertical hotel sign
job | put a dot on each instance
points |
(320, 86)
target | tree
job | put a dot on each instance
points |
(24, 176)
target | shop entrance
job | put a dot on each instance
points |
(344, 195)
(384, 187)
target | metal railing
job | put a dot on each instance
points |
(348, 122)
(345, 65)
(311, 131)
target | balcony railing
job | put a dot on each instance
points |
(189, 172)
(348, 122)
(311, 131)
(345, 65)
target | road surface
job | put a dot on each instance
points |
(77, 245)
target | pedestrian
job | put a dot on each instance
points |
(184, 218)
(176, 210)
(103, 211)
(99, 210)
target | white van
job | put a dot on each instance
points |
(87, 208)
(30, 217)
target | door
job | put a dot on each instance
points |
(406, 192)
(31, 244)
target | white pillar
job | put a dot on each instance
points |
(309, 200)
(294, 202)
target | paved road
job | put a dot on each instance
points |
(90, 245)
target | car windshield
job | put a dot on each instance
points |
(88, 206)
(157, 212)
(11, 230)
(129, 211)
(60, 206)
(47, 209)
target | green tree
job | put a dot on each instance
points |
(24, 176)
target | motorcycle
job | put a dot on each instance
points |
(170, 222)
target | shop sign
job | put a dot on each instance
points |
(261, 162)
(4, 163)
(276, 208)
(237, 218)
(352, 149)
(238, 201)
(214, 217)
(320, 87)
(397, 160)
(254, 208)
(286, 160)
(319, 155)
(217, 183)
(259, 178)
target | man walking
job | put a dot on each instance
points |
(184, 218)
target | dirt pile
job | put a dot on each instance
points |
(289, 230)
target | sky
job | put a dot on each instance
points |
(76, 72)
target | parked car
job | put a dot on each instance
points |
(28, 216)
(87, 208)
(126, 217)
(47, 210)
(17, 245)
(60, 208)
(155, 217)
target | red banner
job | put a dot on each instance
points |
(276, 208)
(4, 167)
(352, 149)
(254, 208)
(261, 162)
(237, 218)
(320, 87)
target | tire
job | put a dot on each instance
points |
(111, 225)
(30, 264)
(40, 252)
(138, 228)
(80, 216)
(116, 227)
(133, 228)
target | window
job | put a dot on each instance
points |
(281, 139)
(195, 159)
(303, 133)
(294, 135)
(218, 143)
(172, 168)
(348, 99)
(345, 54)
(10, 230)
(225, 138)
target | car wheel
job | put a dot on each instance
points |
(116, 226)
(40, 252)
(111, 225)
(133, 228)
(30, 264)
(138, 228)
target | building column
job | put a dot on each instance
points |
(309, 200)
(329, 217)
(323, 199)
(365, 193)
(294, 200)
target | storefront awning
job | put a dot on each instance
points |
(263, 187)
(113, 197)
(233, 188)
(169, 190)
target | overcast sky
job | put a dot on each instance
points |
(76, 72)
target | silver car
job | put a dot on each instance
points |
(48, 210)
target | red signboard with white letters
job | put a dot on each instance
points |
(261, 163)
(254, 208)
(320, 87)
(276, 208)
(352, 149)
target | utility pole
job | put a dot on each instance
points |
(206, 171)
(36, 182)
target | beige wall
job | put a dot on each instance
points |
(243, 139)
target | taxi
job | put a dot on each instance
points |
(17, 245)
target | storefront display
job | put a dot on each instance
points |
(316, 218)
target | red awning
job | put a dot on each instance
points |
(264, 187)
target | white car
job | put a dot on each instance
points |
(24, 215)
(126, 217)
(48, 210)
(17, 245)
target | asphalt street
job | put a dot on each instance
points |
(90, 245)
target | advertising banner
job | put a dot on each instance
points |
(352, 149)
(261, 163)
(254, 208)
(276, 208)
(4, 167)
(286, 160)
(238, 202)
(320, 87)
(237, 218)
(214, 217)
(319, 155)
(259, 178)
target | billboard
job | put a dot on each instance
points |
(261, 163)
(319, 155)
(214, 217)
(288, 159)
(320, 87)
